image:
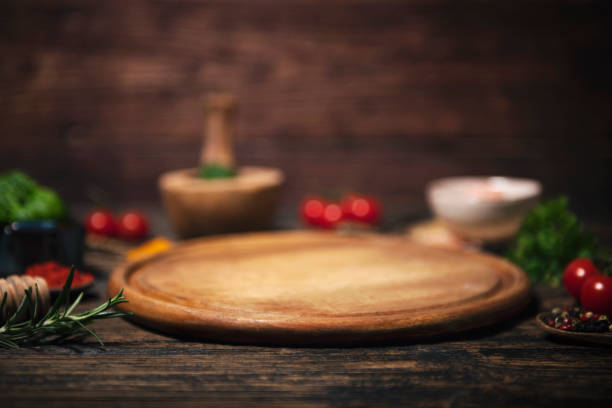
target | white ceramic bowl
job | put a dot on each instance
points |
(483, 208)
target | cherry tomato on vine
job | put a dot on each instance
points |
(576, 274)
(596, 294)
(317, 212)
(361, 208)
(101, 222)
(312, 209)
(332, 214)
(133, 225)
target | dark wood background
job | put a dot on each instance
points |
(375, 95)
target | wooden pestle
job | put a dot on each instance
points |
(217, 146)
(219, 197)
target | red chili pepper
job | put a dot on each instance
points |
(56, 274)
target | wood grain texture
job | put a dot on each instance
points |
(303, 287)
(379, 96)
(512, 364)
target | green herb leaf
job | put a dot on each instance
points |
(550, 237)
(21, 199)
(24, 326)
(215, 171)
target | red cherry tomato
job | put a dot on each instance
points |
(576, 273)
(133, 225)
(100, 222)
(317, 212)
(361, 208)
(332, 214)
(312, 209)
(596, 294)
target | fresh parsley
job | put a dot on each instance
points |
(549, 238)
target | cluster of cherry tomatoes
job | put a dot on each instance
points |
(131, 225)
(585, 282)
(318, 212)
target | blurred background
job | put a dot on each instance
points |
(98, 98)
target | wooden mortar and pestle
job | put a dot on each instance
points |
(219, 197)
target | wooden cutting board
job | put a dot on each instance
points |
(307, 287)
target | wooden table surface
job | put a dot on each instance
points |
(513, 364)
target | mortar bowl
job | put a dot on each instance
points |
(197, 206)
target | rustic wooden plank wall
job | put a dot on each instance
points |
(375, 95)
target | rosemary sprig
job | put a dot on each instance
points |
(59, 323)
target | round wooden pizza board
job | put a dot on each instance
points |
(305, 287)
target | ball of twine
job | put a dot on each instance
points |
(15, 288)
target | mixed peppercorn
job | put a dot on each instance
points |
(577, 319)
